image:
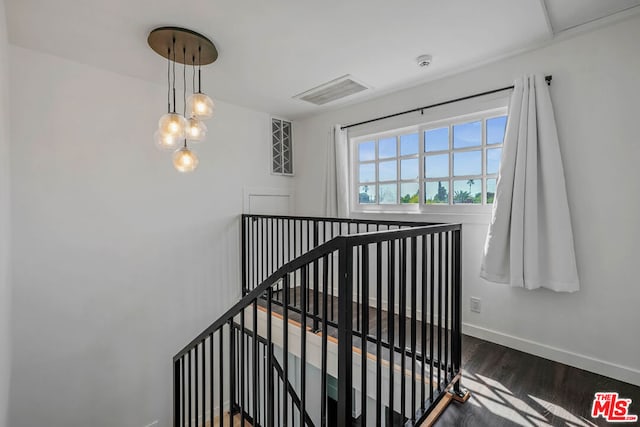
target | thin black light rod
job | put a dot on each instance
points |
(426, 107)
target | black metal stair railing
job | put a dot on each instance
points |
(363, 327)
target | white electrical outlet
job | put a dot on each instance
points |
(476, 304)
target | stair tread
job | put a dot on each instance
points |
(237, 421)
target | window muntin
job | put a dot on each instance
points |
(448, 163)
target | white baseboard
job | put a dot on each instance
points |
(587, 363)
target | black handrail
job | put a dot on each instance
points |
(342, 220)
(314, 254)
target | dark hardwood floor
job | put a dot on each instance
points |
(512, 388)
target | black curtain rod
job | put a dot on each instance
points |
(489, 92)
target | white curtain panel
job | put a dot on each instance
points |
(530, 240)
(336, 189)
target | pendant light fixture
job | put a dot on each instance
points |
(175, 130)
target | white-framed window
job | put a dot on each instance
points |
(448, 165)
(281, 147)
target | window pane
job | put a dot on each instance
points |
(409, 144)
(409, 169)
(409, 192)
(467, 191)
(367, 194)
(436, 192)
(467, 163)
(436, 139)
(367, 151)
(493, 160)
(367, 172)
(436, 166)
(387, 148)
(467, 135)
(388, 171)
(388, 193)
(495, 130)
(491, 190)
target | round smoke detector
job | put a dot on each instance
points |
(424, 60)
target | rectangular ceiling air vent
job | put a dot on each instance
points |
(331, 91)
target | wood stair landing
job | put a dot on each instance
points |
(237, 421)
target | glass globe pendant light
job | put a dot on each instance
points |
(185, 160)
(196, 130)
(165, 142)
(172, 126)
(199, 104)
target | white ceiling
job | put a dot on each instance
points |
(273, 50)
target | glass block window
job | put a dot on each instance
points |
(281, 147)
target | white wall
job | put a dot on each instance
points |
(595, 91)
(119, 260)
(5, 233)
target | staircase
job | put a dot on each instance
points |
(342, 322)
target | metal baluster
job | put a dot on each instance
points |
(333, 230)
(285, 350)
(195, 350)
(190, 401)
(211, 382)
(265, 376)
(269, 351)
(323, 393)
(220, 372)
(365, 331)
(307, 278)
(232, 369)
(276, 238)
(176, 393)
(295, 254)
(245, 247)
(265, 252)
(378, 333)
(432, 314)
(391, 326)
(403, 324)
(242, 369)
(270, 257)
(446, 307)
(345, 335)
(414, 285)
(439, 308)
(423, 325)
(203, 379)
(278, 404)
(254, 247)
(184, 392)
(358, 284)
(254, 372)
(303, 345)
(457, 288)
(316, 297)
